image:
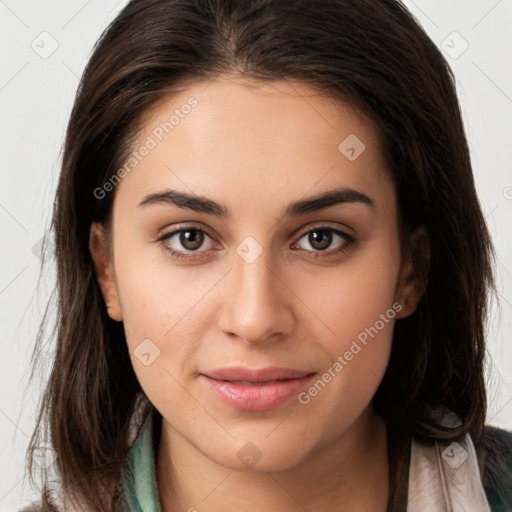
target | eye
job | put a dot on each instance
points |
(321, 238)
(185, 240)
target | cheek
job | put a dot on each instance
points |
(154, 294)
(357, 355)
(160, 347)
(355, 312)
(352, 298)
(164, 315)
(357, 342)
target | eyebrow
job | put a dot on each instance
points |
(301, 207)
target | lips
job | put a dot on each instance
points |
(256, 390)
(269, 374)
(250, 383)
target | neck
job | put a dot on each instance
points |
(352, 470)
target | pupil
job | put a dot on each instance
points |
(320, 242)
(191, 239)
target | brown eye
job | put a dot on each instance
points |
(182, 242)
(321, 238)
(191, 239)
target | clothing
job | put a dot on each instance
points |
(441, 478)
(445, 478)
(140, 479)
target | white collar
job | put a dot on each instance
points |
(444, 477)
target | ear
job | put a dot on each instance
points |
(104, 269)
(411, 286)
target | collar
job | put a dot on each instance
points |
(445, 477)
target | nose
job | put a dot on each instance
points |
(258, 302)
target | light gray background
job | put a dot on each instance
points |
(36, 96)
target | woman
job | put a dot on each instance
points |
(214, 352)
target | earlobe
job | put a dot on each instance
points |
(412, 280)
(104, 269)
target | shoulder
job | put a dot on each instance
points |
(494, 450)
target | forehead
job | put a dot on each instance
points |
(281, 139)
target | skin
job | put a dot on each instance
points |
(256, 148)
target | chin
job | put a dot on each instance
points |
(260, 457)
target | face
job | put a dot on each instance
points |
(246, 269)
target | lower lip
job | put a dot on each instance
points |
(256, 397)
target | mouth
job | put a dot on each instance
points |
(269, 374)
(248, 383)
(256, 392)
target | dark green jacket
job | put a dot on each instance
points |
(494, 452)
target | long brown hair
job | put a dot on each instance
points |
(370, 53)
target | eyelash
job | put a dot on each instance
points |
(182, 255)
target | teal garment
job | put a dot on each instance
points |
(141, 494)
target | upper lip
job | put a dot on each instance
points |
(239, 373)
